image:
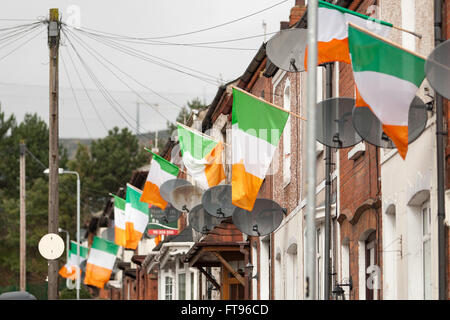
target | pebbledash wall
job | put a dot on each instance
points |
(409, 187)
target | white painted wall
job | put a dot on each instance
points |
(401, 180)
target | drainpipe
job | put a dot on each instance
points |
(327, 262)
(440, 139)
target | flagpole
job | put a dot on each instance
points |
(310, 246)
(386, 40)
(270, 104)
(147, 149)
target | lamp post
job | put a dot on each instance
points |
(69, 283)
(62, 171)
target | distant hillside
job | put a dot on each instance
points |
(146, 140)
(72, 144)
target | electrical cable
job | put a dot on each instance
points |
(85, 90)
(75, 98)
(191, 32)
(12, 36)
(121, 80)
(108, 97)
(139, 53)
(22, 44)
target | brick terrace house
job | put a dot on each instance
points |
(378, 200)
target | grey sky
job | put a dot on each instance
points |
(24, 74)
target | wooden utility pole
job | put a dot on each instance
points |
(23, 246)
(53, 43)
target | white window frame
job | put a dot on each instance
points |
(168, 285)
(426, 241)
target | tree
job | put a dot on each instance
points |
(34, 132)
(194, 104)
(106, 166)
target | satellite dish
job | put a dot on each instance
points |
(51, 246)
(370, 128)
(108, 234)
(217, 201)
(265, 218)
(186, 197)
(286, 49)
(169, 214)
(201, 221)
(165, 190)
(437, 69)
(334, 126)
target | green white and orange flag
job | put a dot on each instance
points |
(100, 262)
(136, 217)
(69, 270)
(160, 171)
(387, 78)
(256, 130)
(332, 34)
(120, 236)
(202, 157)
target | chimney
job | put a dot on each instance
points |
(297, 12)
(284, 25)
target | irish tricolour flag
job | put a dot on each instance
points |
(387, 78)
(332, 34)
(160, 171)
(136, 217)
(69, 270)
(100, 263)
(202, 157)
(256, 130)
(120, 236)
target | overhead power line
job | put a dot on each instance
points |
(191, 32)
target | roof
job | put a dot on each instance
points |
(184, 236)
(224, 239)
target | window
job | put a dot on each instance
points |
(426, 250)
(182, 286)
(265, 268)
(371, 275)
(346, 267)
(319, 263)
(169, 288)
(192, 285)
(391, 252)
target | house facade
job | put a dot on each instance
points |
(384, 235)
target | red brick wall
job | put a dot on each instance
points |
(446, 31)
(358, 184)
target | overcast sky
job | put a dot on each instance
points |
(24, 73)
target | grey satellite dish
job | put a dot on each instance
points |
(334, 126)
(201, 221)
(265, 218)
(165, 190)
(437, 69)
(17, 295)
(108, 234)
(186, 197)
(217, 201)
(370, 128)
(169, 214)
(286, 49)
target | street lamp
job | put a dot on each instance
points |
(62, 171)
